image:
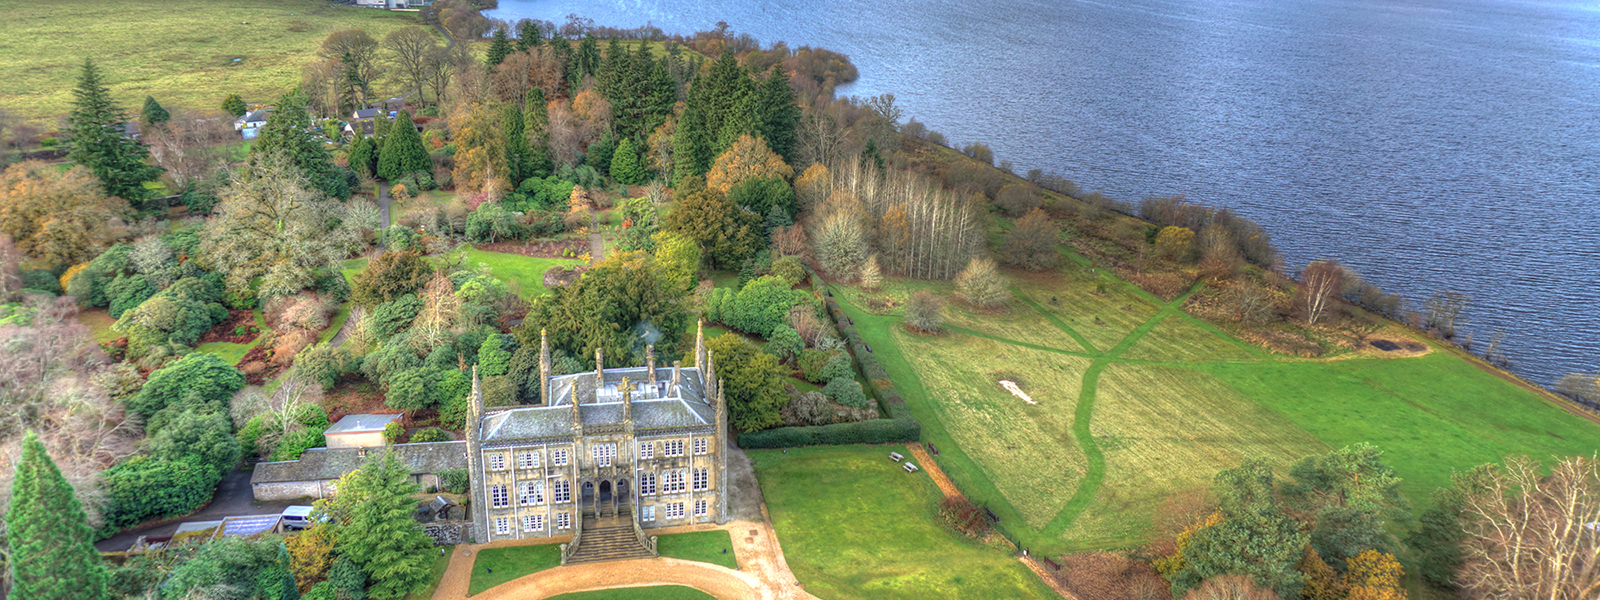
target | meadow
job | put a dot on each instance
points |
(182, 52)
(1136, 402)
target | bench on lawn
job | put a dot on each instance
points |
(1052, 564)
(934, 449)
(895, 456)
(993, 518)
(910, 468)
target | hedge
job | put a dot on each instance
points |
(898, 425)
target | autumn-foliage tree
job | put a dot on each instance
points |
(480, 151)
(1032, 243)
(746, 158)
(1374, 575)
(60, 216)
(982, 285)
(1175, 243)
(271, 224)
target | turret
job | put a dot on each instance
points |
(700, 344)
(599, 368)
(677, 376)
(475, 456)
(650, 362)
(708, 376)
(544, 368)
(627, 401)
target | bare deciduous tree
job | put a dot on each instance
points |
(406, 50)
(1531, 536)
(1320, 285)
(1443, 311)
(190, 146)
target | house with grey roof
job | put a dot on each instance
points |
(360, 431)
(317, 472)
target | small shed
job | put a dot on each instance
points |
(359, 431)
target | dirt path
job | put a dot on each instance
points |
(762, 573)
(932, 469)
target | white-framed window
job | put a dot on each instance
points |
(498, 497)
(528, 460)
(674, 510)
(502, 525)
(672, 482)
(558, 458)
(563, 520)
(647, 449)
(647, 484)
(672, 448)
(562, 491)
(530, 493)
(533, 523)
(497, 461)
(647, 513)
(604, 454)
(700, 445)
(699, 508)
(702, 479)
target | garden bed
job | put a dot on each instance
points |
(567, 248)
(225, 331)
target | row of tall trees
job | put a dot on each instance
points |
(408, 62)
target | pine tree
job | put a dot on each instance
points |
(722, 95)
(527, 36)
(512, 124)
(403, 152)
(691, 156)
(234, 105)
(363, 157)
(152, 113)
(600, 154)
(625, 164)
(289, 130)
(779, 113)
(375, 529)
(536, 127)
(499, 48)
(614, 67)
(99, 142)
(52, 546)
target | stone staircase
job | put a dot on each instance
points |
(608, 538)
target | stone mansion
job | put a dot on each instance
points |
(604, 456)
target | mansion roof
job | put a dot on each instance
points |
(661, 406)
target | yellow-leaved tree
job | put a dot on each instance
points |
(480, 152)
(747, 158)
(1374, 575)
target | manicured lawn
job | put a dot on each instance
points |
(714, 547)
(510, 563)
(435, 573)
(179, 51)
(854, 525)
(354, 267)
(659, 592)
(523, 273)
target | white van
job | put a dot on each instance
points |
(297, 517)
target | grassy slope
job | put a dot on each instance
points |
(659, 592)
(854, 525)
(1165, 401)
(179, 51)
(232, 353)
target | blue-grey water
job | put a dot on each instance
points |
(1431, 144)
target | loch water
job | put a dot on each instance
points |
(1430, 144)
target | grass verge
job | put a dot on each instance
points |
(495, 566)
(715, 547)
(658, 592)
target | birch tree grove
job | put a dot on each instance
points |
(1532, 536)
(918, 228)
(1319, 286)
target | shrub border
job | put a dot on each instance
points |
(897, 424)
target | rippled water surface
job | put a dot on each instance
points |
(1432, 144)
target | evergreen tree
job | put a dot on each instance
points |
(779, 114)
(512, 125)
(527, 36)
(584, 61)
(600, 154)
(536, 127)
(614, 68)
(99, 142)
(870, 157)
(363, 157)
(234, 105)
(625, 164)
(375, 529)
(152, 113)
(403, 152)
(499, 48)
(52, 546)
(691, 156)
(289, 130)
(743, 120)
(721, 95)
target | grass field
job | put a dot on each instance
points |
(99, 324)
(510, 563)
(658, 592)
(179, 51)
(525, 274)
(714, 547)
(1138, 401)
(854, 525)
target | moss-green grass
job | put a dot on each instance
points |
(232, 353)
(179, 51)
(715, 547)
(336, 324)
(523, 273)
(436, 571)
(99, 323)
(657, 592)
(510, 563)
(854, 525)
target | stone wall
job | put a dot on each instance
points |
(449, 534)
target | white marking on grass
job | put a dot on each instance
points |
(1011, 386)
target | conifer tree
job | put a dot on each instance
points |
(614, 67)
(527, 36)
(722, 95)
(234, 105)
(499, 48)
(289, 130)
(625, 164)
(403, 152)
(363, 157)
(52, 546)
(779, 113)
(600, 154)
(691, 156)
(375, 529)
(512, 124)
(152, 113)
(536, 128)
(99, 142)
